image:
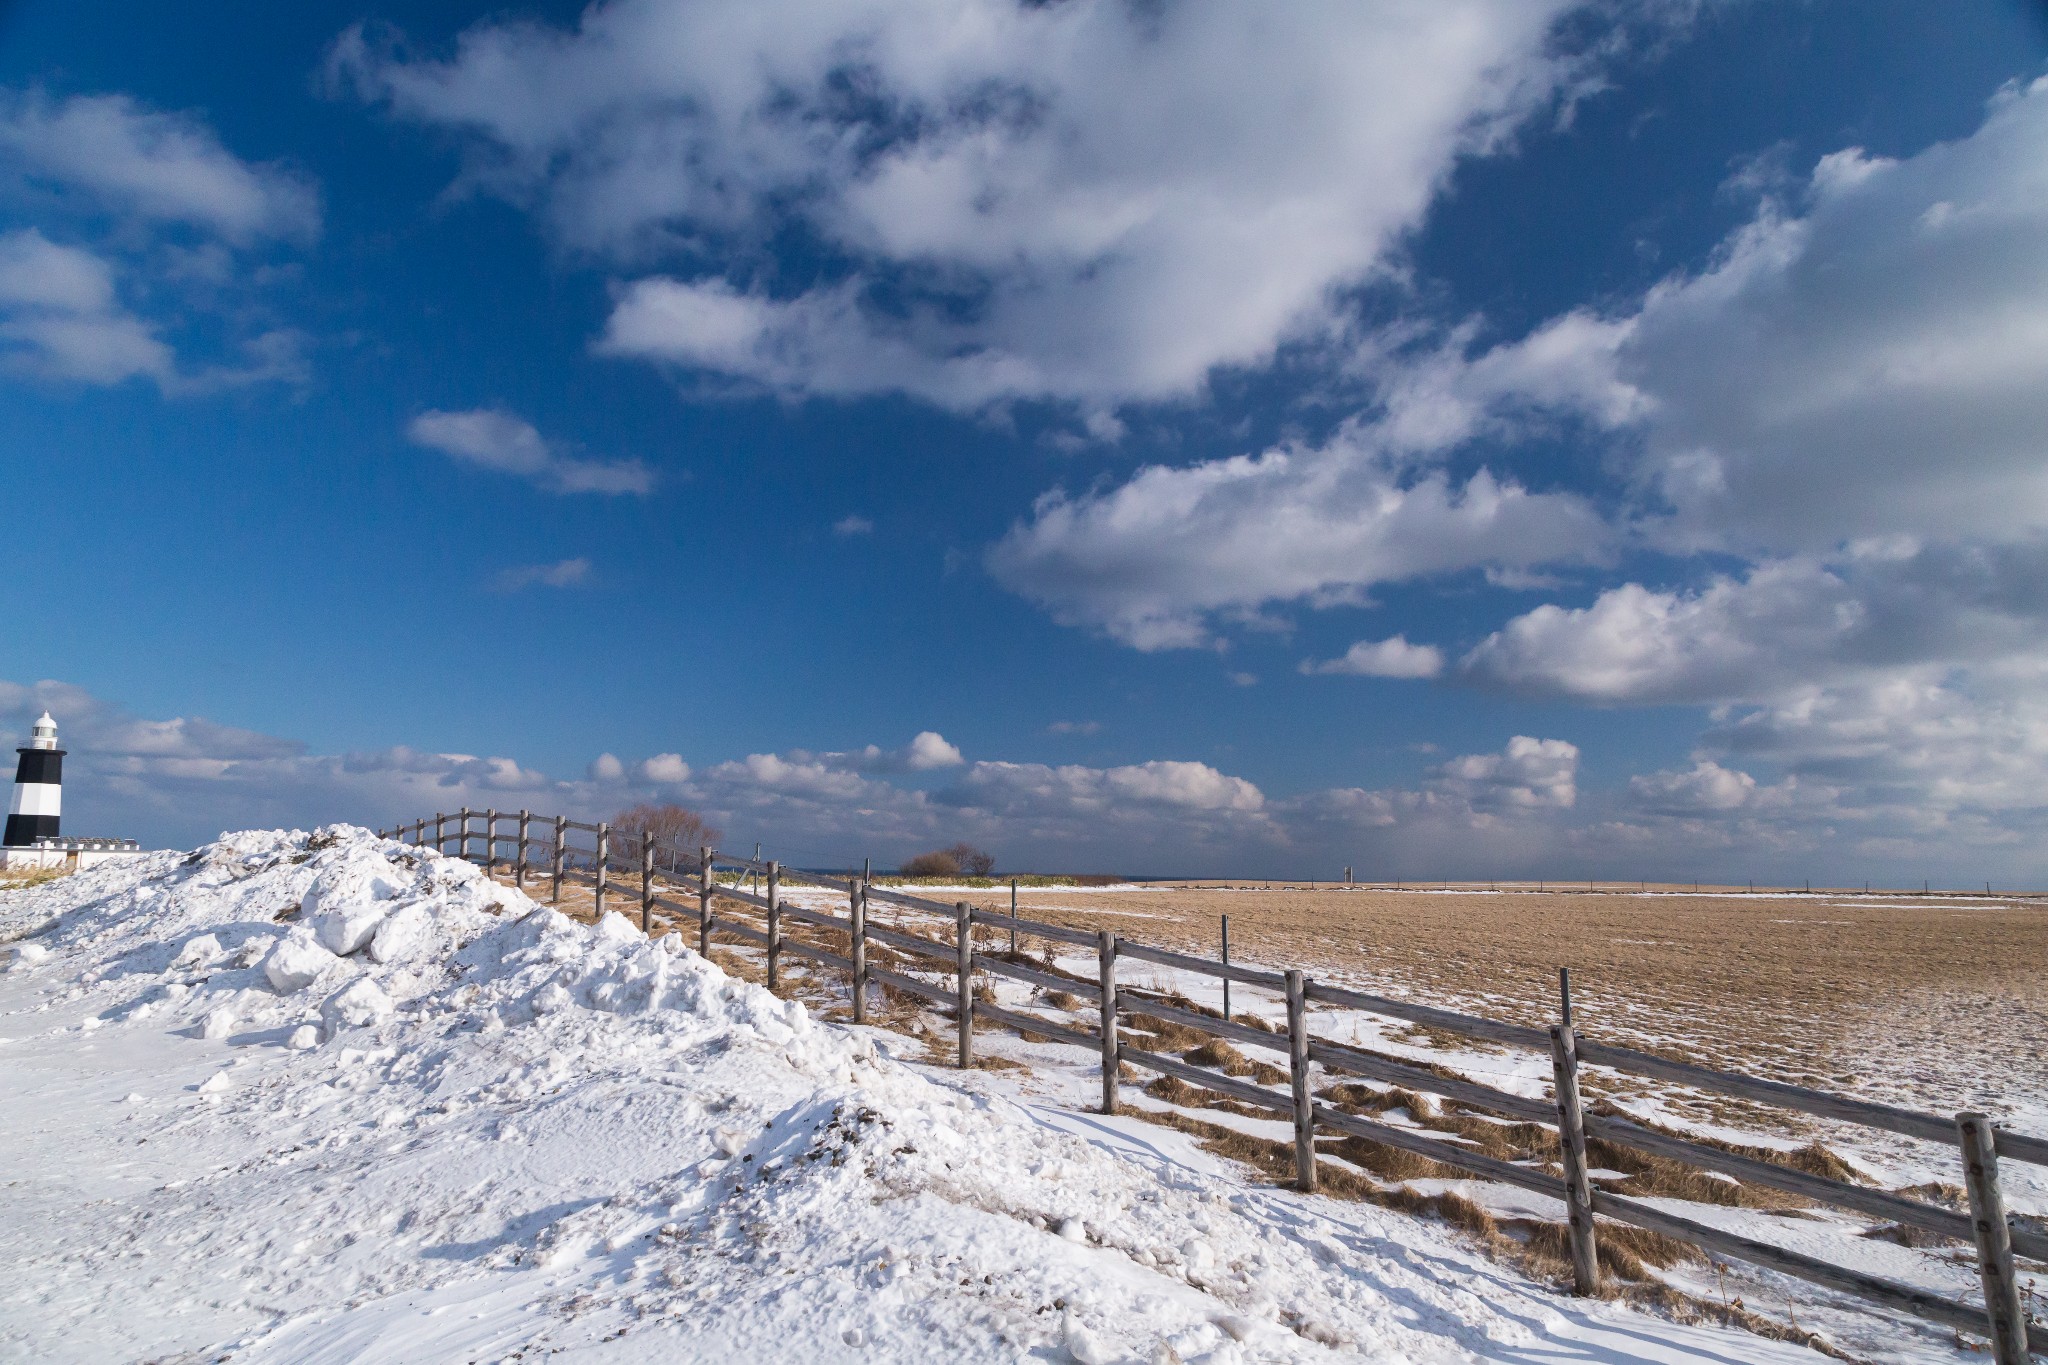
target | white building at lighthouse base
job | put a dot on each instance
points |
(66, 855)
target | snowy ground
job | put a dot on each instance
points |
(292, 1099)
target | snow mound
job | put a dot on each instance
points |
(362, 1102)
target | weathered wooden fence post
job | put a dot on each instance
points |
(857, 914)
(519, 869)
(774, 919)
(1571, 1141)
(646, 882)
(440, 839)
(1226, 962)
(963, 950)
(490, 840)
(604, 859)
(1297, 1075)
(704, 901)
(2002, 1303)
(558, 855)
(1105, 969)
(462, 845)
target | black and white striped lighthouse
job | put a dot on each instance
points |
(38, 788)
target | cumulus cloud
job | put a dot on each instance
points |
(1390, 658)
(1873, 781)
(1786, 624)
(1529, 774)
(1093, 202)
(159, 166)
(567, 573)
(1867, 357)
(1152, 561)
(490, 438)
(182, 206)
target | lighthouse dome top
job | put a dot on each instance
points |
(45, 734)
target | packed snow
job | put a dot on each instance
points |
(327, 1097)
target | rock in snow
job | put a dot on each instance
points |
(455, 1125)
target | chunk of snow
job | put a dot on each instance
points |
(218, 1024)
(409, 935)
(348, 926)
(357, 1005)
(215, 1084)
(204, 948)
(296, 962)
(28, 954)
(303, 1037)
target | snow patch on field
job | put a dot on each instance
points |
(325, 1097)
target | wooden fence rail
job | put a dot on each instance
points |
(952, 953)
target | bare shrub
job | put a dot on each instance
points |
(961, 860)
(677, 831)
(937, 863)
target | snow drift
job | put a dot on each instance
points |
(328, 1097)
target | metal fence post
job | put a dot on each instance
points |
(559, 854)
(963, 949)
(604, 858)
(774, 919)
(519, 868)
(1105, 980)
(1297, 1075)
(704, 901)
(646, 882)
(1571, 1141)
(857, 912)
(1994, 1240)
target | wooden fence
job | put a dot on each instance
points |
(1979, 1143)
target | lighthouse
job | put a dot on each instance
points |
(38, 788)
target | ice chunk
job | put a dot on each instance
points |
(303, 1037)
(215, 1084)
(407, 936)
(28, 954)
(357, 1005)
(296, 962)
(346, 927)
(219, 1023)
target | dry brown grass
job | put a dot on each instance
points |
(1793, 988)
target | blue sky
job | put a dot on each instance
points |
(1456, 439)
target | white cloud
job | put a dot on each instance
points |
(162, 178)
(493, 439)
(1788, 624)
(155, 165)
(567, 573)
(664, 770)
(1706, 787)
(1092, 201)
(1527, 774)
(1390, 658)
(1151, 561)
(853, 525)
(1867, 357)
(1074, 727)
(1034, 788)
(1904, 775)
